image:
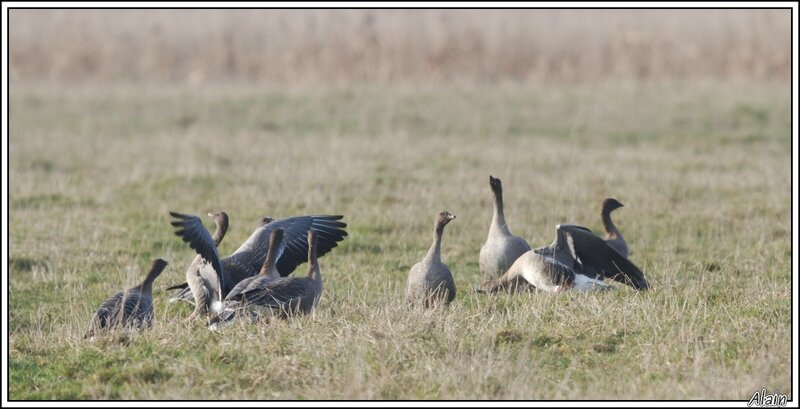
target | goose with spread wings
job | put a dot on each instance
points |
(204, 278)
(248, 259)
(577, 260)
(286, 296)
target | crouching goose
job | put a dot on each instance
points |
(613, 236)
(430, 281)
(248, 259)
(287, 296)
(132, 308)
(204, 277)
(501, 248)
(576, 260)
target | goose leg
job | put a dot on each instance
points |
(191, 317)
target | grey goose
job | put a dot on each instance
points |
(502, 247)
(430, 281)
(128, 309)
(286, 296)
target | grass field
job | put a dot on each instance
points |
(702, 167)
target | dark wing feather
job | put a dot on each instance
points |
(277, 293)
(236, 292)
(595, 254)
(185, 294)
(178, 286)
(104, 317)
(192, 231)
(329, 229)
(130, 308)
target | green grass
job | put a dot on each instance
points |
(703, 169)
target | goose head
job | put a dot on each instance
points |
(611, 204)
(443, 218)
(220, 218)
(495, 184)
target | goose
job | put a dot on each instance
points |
(269, 271)
(288, 296)
(430, 281)
(613, 236)
(577, 260)
(132, 308)
(248, 259)
(501, 248)
(205, 284)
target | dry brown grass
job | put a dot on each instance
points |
(311, 46)
(703, 169)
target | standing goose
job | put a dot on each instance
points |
(501, 248)
(204, 277)
(613, 236)
(576, 260)
(430, 281)
(248, 259)
(132, 308)
(289, 296)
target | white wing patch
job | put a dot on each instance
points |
(584, 283)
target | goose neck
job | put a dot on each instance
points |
(499, 218)
(270, 267)
(608, 224)
(434, 253)
(155, 271)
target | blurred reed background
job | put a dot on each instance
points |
(352, 46)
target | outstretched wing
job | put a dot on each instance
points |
(192, 231)
(595, 254)
(330, 231)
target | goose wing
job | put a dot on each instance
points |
(595, 254)
(236, 292)
(180, 286)
(106, 314)
(191, 230)
(123, 308)
(277, 293)
(185, 293)
(330, 231)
